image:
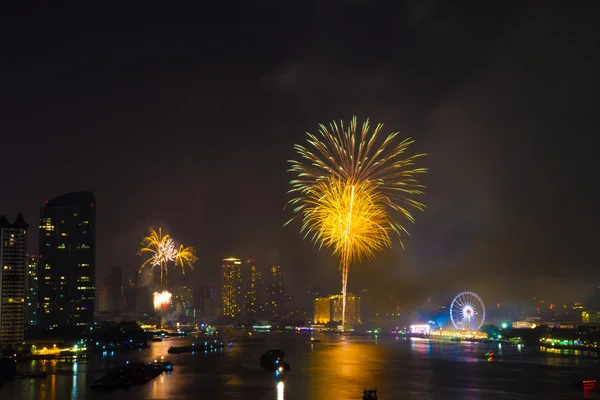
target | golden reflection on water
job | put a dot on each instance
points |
(344, 368)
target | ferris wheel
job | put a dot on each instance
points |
(467, 311)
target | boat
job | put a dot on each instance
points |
(165, 365)
(272, 360)
(313, 340)
(157, 338)
(369, 394)
(188, 349)
(490, 354)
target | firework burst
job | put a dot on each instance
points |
(185, 257)
(351, 187)
(162, 300)
(162, 251)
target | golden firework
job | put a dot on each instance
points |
(186, 257)
(350, 189)
(162, 251)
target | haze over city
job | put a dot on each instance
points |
(186, 121)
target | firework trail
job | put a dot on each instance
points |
(351, 187)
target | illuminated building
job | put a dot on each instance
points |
(458, 334)
(13, 259)
(31, 298)
(420, 329)
(183, 296)
(67, 264)
(276, 296)
(524, 325)
(252, 289)
(590, 317)
(322, 310)
(329, 309)
(110, 300)
(352, 309)
(232, 287)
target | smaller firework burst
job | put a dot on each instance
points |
(162, 300)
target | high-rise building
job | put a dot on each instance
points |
(322, 310)
(329, 309)
(204, 300)
(232, 287)
(251, 279)
(130, 294)
(67, 265)
(13, 259)
(31, 299)
(276, 296)
(352, 309)
(110, 300)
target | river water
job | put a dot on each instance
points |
(335, 368)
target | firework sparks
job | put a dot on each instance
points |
(350, 189)
(163, 251)
(162, 300)
(185, 257)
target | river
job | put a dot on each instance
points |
(336, 368)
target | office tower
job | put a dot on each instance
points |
(276, 296)
(110, 300)
(13, 259)
(352, 309)
(329, 309)
(67, 265)
(31, 298)
(322, 310)
(232, 287)
(130, 294)
(251, 279)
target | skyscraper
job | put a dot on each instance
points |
(130, 294)
(329, 309)
(276, 296)
(31, 299)
(110, 300)
(251, 280)
(67, 265)
(232, 287)
(13, 259)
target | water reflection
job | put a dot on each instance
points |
(75, 378)
(420, 345)
(406, 369)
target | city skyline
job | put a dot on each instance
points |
(489, 98)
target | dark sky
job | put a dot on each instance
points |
(185, 118)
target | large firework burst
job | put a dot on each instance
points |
(350, 189)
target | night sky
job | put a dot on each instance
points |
(184, 118)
